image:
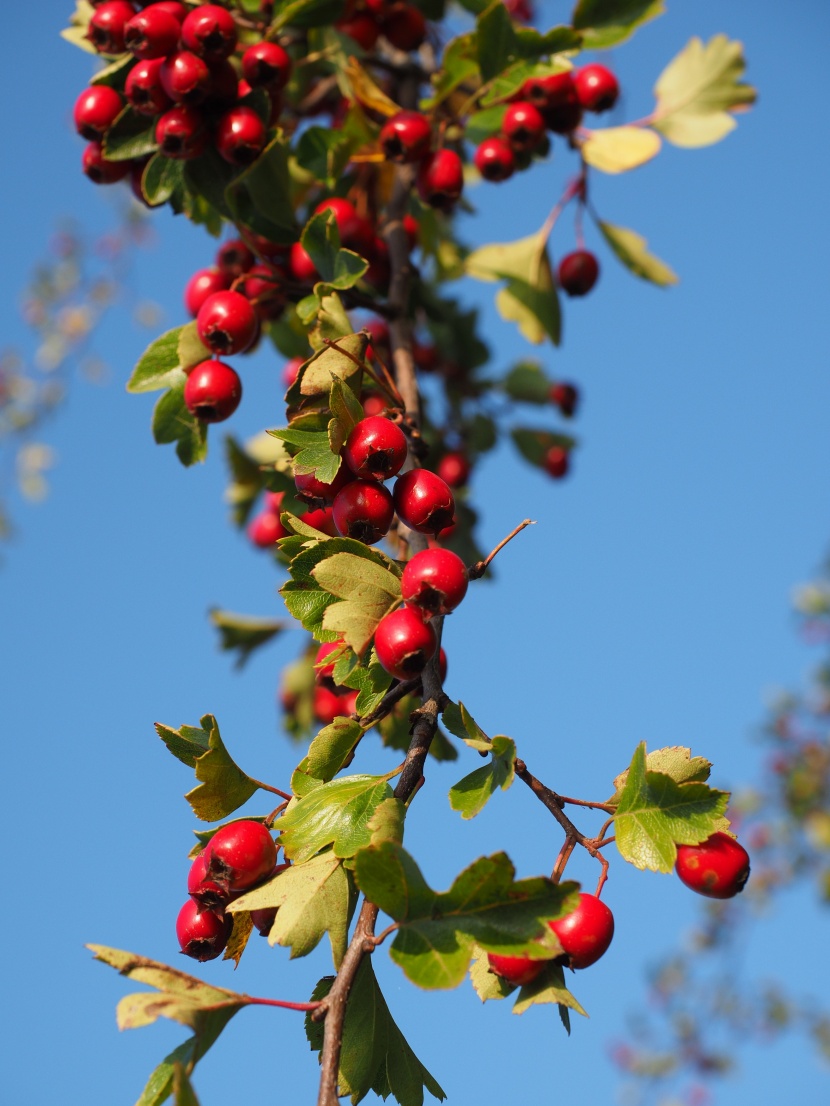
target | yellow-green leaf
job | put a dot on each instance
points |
(618, 149)
(631, 249)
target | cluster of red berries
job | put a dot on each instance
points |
(237, 858)
(406, 139)
(401, 24)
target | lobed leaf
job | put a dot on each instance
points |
(242, 634)
(336, 814)
(470, 795)
(606, 23)
(224, 787)
(367, 591)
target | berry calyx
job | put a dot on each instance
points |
(266, 65)
(202, 935)
(523, 125)
(144, 90)
(441, 180)
(363, 510)
(518, 970)
(406, 137)
(565, 397)
(494, 160)
(240, 136)
(180, 133)
(404, 643)
(212, 391)
(205, 892)
(424, 501)
(227, 322)
(95, 111)
(106, 27)
(586, 932)
(240, 855)
(434, 582)
(717, 868)
(578, 272)
(375, 449)
(234, 257)
(596, 87)
(556, 462)
(210, 32)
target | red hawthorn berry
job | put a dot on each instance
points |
(227, 322)
(323, 520)
(494, 160)
(186, 78)
(325, 704)
(202, 935)
(565, 397)
(523, 125)
(206, 893)
(174, 7)
(263, 919)
(557, 462)
(404, 643)
(240, 136)
(373, 405)
(153, 33)
(240, 855)
(434, 582)
(210, 32)
(404, 27)
(361, 27)
(212, 391)
(425, 356)
(315, 492)
(520, 10)
(424, 501)
(144, 90)
(406, 137)
(291, 370)
(555, 96)
(441, 180)
(442, 664)
(375, 449)
(180, 133)
(324, 671)
(356, 233)
(265, 529)
(363, 510)
(262, 287)
(348, 703)
(454, 469)
(235, 257)
(586, 932)
(100, 169)
(717, 868)
(518, 970)
(596, 87)
(266, 64)
(106, 27)
(204, 283)
(95, 111)
(578, 272)
(302, 267)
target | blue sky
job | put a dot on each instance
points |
(649, 603)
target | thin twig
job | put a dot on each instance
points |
(607, 807)
(480, 567)
(273, 790)
(304, 1007)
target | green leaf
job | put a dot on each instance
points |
(224, 786)
(210, 176)
(242, 634)
(675, 761)
(485, 906)
(458, 65)
(527, 383)
(631, 249)
(345, 406)
(261, 196)
(334, 813)
(375, 1055)
(368, 592)
(697, 90)
(534, 444)
(162, 178)
(158, 365)
(537, 44)
(486, 984)
(114, 74)
(618, 149)
(605, 23)
(324, 153)
(183, 1093)
(313, 898)
(331, 748)
(338, 268)
(371, 682)
(655, 814)
(173, 422)
(460, 722)
(314, 455)
(530, 298)
(549, 986)
(514, 76)
(304, 13)
(343, 361)
(496, 42)
(131, 136)
(470, 794)
(191, 350)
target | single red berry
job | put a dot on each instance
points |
(144, 90)
(363, 510)
(235, 257)
(406, 137)
(266, 64)
(454, 469)
(424, 501)
(373, 405)
(356, 233)
(202, 935)
(302, 267)
(240, 855)
(717, 868)
(518, 970)
(227, 322)
(565, 397)
(291, 370)
(434, 582)
(426, 357)
(265, 529)
(212, 391)
(210, 32)
(100, 169)
(264, 919)
(596, 87)
(262, 287)
(180, 133)
(185, 77)
(520, 10)
(578, 272)
(153, 33)
(404, 643)
(204, 283)
(441, 180)
(375, 449)
(523, 125)
(325, 704)
(404, 26)
(96, 109)
(205, 892)
(555, 96)
(361, 27)
(240, 136)
(556, 462)
(348, 703)
(323, 520)
(315, 492)
(106, 27)
(494, 160)
(586, 932)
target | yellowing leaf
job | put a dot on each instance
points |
(366, 92)
(529, 298)
(630, 248)
(618, 149)
(368, 591)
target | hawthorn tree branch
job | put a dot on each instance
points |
(477, 570)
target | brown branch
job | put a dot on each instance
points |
(394, 695)
(480, 567)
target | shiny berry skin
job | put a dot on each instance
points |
(363, 510)
(240, 855)
(375, 449)
(234, 257)
(406, 137)
(404, 643)
(240, 136)
(441, 180)
(185, 77)
(106, 27)
(227, 322)
(596, 87)
(153, 33)
(523, 125)
(586, 932)
(518, 970)
(96, 109)
(212, 391)
(404, 26)
(578, 272)
(556, 462)
(717, 868)
(210, 32)
(302, 267)
(434, 582)
(322, 519)
(494, 160)
(267, 65)
(205, 892)
(204, 283)
(565, 397)
(314, 491)
(202, 935)
(100, 169)
(424, 501)
(454, 469)
(144, 90)
(356, 233)
(265, 529)
(180, 133)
